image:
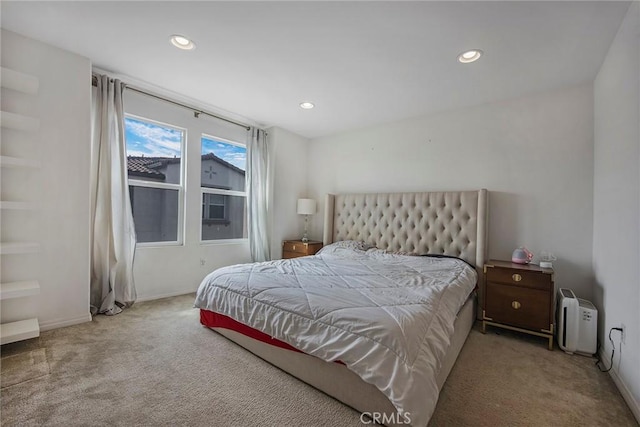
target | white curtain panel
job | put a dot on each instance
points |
(113, 231)
(257, 194)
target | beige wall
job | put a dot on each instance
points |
(616, 193)
(534, 155)
(289, 162)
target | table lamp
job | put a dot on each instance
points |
(306, 207)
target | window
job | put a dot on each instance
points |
(155, 172)
(224, 201)
(214, 207)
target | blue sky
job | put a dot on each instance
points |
(152, 140)
(233, 154)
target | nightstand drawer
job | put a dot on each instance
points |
(519, 297)
(298, 247)
(523, 278)
(518, 306)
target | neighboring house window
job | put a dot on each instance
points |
(156, 177)
(214, 206)
(224, 201)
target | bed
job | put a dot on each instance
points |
(343, 285)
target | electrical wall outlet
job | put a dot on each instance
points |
(623, 334)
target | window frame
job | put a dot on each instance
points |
(223, 192)
(165, 185)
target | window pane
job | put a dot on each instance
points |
(216, 212)
(153, 151)
(223, 165)
(214, 206)
(155, 214)
(224, 221)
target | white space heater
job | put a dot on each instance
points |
(577, 321)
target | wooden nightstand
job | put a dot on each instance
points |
(520, 298)
(297, 248)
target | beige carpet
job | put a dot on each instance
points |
(154, 365)
(25, 366)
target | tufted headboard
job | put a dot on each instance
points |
(451, 223)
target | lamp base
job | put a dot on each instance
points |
(305, 236)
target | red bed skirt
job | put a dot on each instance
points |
(215, 320)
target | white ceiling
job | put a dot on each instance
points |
(361, 63)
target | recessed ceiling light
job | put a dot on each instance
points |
(307, 105)
(470, 56)
(182, 42)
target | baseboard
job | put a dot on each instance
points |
(61, 323)
(626, 394)
(160, 296)
(633, 404)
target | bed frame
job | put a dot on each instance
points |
(450, 223)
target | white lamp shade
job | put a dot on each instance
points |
(306, 206)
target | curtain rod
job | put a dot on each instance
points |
(196, 111)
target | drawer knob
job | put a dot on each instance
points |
(516, 277)
(516, 305)
(294, 247)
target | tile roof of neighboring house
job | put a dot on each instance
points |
(143, 166)
(211, 156)
(147, 166)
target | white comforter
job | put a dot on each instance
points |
(388, 317)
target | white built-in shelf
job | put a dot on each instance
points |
(15, 121)
(18, 331)
(27, 84)
(19, 248)
(21, 206)
(21, 82)
(17, 162)
(21, 289)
